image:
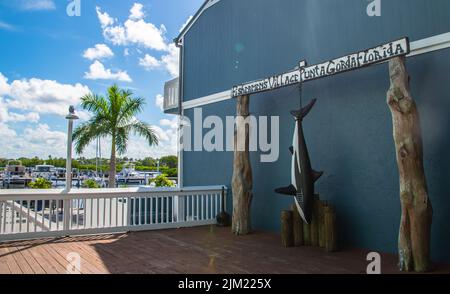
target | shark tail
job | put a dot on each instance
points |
(302, 113)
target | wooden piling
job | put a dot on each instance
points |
(297, 226)
(287, 232)
(306, 234)
(330, 229)
(315, 222)
(322, 204)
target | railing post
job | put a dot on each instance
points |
(180, 215)
(129, 211)
(66, 213)
(1, 216)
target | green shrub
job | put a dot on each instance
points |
(91, 184)
(40, 183)
(162, 181)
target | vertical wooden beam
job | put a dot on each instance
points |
(242, 182)
(330, 229)
(298, 226)
(322, 204)
(287, 230)
(315, 222)
(417, 212)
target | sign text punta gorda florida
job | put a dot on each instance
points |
(306, 73)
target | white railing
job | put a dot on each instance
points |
(29, 214)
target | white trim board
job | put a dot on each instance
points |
(418, 47)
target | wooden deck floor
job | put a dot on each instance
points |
(186, 251)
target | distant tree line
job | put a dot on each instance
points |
(168, 165)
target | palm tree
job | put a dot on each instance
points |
(113, 117)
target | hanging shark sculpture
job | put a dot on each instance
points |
(303, 176)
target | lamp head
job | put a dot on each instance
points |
(71, 115)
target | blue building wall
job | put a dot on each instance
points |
(349, 132)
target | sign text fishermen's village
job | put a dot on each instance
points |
(329, 68)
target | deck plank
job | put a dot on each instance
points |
(32, 262)
(4, 268)
(202, 250)
(19, 260)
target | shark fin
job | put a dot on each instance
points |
(302, 113)
(291, 149)
(316, 175)
(291, 191)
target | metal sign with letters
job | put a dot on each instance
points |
(339, 65)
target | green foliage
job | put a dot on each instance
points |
(162, 181)
(170, 172)
(148, 162)
(89, 164)
(169, 161)
(91, 184)
(40, 183)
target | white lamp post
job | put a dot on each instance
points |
(70, 118)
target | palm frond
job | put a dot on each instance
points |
(122, 136)
(131, 107)
(95, 104)
(144, 130)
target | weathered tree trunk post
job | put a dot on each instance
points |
(415, 226)
(242, 182)
(287, 228)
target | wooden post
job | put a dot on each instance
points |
(242, 182)
(330, 229)
(315, 222)
(298, 226)
(321, 225)
(306, 234)
(417, 212)
(287, 232)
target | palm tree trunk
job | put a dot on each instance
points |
(112, 164)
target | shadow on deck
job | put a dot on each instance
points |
(198, 250)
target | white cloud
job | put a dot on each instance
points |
(37, 4)
(171, 60)
(7, 26)
(126, 52)
(38, 141)
(186, 23)
(173, 124)
(137, 11)
(134, 31)
(40, 96)
(159, 101)
(7, 116)
(97, 71)
(42, 141)
(168, 62)
(149, 62)
(99, 51)
(4, 86)
(162, 136)
(104, 18)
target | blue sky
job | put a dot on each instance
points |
(49, 59)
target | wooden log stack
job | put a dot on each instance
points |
(322, 232)
(287, 228)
